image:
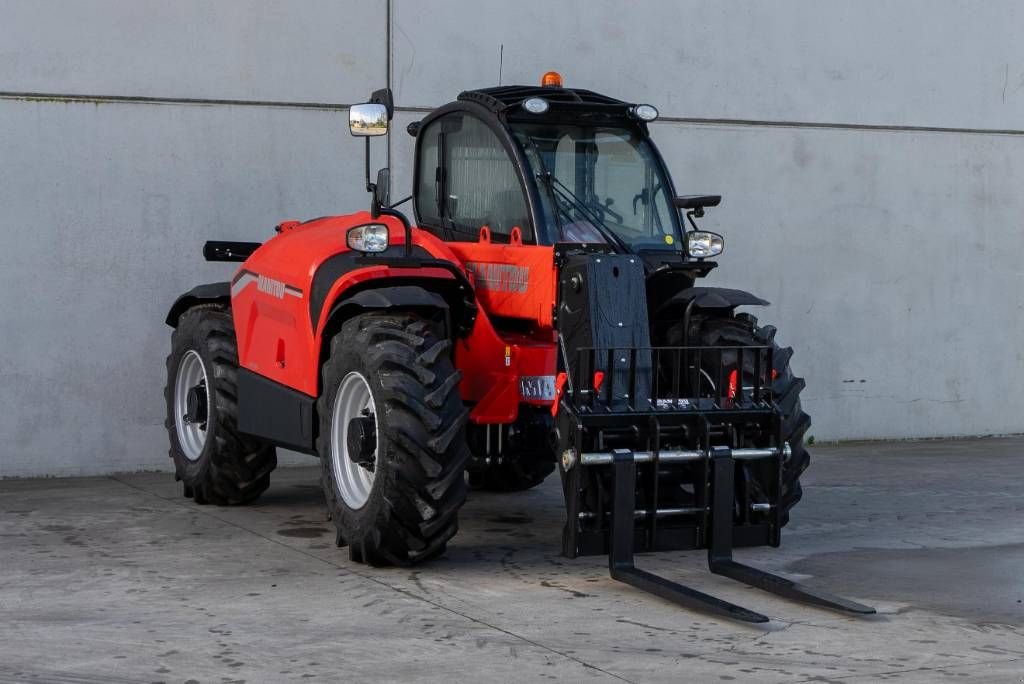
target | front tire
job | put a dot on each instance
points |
(394, 497)
(216, 463)
(786, 387)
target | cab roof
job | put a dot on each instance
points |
(506, 101)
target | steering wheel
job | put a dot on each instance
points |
(603, 211)
(606, 210)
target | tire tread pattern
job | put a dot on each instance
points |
(419, 482)
(237, 467)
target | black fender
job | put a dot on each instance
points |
(380, 298)
(388, 297)
(711, 298)
(203, 294)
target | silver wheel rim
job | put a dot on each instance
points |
(352, 401)
(191, 436)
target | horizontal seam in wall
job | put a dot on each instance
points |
(130, 99)
(895, 128)
(340, 106)
(765, 123)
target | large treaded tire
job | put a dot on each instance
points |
(233, 468)
(744, 331)
(419, 481)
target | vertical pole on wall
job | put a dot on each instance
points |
(387, 62)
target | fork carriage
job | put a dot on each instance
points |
(671, 432)
(679, 491)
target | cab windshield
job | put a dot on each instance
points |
(601, 184)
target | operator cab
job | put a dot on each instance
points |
(547, 165)
(560, 164)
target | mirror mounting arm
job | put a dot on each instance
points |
(367, 120)
(369, 185)
(695, 205)
(406, 226)
(694, 213)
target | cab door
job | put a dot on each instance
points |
(469, 193)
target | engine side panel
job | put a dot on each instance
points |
(281, 295)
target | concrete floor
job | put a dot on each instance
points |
(120, 579)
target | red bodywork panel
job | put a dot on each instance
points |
(511, 282)
(282, 295)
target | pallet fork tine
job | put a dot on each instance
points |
(620, 560)
(622, 568)
(720, 559)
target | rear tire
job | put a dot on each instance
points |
(527, 459)
(517, 472)
(786, 387)
(409, 510)
(216, 463)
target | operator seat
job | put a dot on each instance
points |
(508, 210)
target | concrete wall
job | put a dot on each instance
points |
(890, 251)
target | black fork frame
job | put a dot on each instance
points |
(586, 413)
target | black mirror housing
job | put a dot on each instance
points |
(697, 201)
(384, 97)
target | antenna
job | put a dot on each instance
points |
(501, 60)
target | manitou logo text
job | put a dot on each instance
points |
(500, 277)
(274, 288)
(270, 286)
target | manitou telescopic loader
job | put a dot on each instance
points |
(540, 314)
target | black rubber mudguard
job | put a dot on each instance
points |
(201, 294)
(392, 296)
(713, 298)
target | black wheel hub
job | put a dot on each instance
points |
(196, 405)
(361, 440)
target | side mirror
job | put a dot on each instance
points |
(694, 204)
(381, 192)
(368, 119)
(697, 201)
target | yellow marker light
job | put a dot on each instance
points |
(551, 79)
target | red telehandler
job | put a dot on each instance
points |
(542, 313)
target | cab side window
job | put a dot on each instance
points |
(467, 180)
(428, 212)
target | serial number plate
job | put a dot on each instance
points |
(537, 387)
